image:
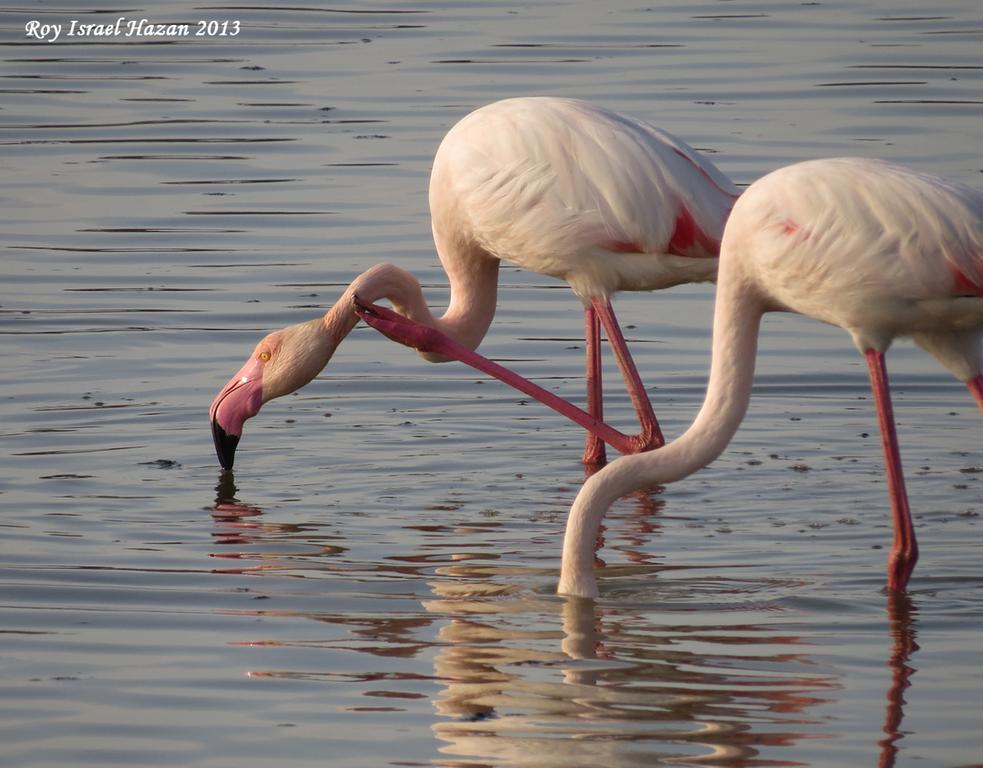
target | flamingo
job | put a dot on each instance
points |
(877, 249)
(558, 186)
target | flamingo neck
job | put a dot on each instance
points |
(735, 339)
(466, 320)
(383, 281)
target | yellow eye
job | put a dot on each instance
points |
(265, 356)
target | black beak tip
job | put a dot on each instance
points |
(225, 445)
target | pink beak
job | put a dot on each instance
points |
(239, 400)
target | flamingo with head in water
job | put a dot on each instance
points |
(557, 186)
(881, 251)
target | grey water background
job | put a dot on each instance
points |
(375, 584)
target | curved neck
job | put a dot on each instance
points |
(466, 320)
(735, 340)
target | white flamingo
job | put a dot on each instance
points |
(877, 249)
(557, 186)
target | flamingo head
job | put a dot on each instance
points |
(282, 362)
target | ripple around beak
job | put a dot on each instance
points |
(225, 445)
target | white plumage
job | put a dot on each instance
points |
(567, 189)
(878, 249)
(556, 186)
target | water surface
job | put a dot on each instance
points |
(375, 583)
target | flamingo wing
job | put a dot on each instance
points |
(546, 183)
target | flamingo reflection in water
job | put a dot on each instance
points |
(528, 679)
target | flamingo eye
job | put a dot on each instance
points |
(265, 356)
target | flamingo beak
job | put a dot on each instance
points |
(225, 445)
(239, 400)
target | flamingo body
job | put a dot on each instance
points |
(875, 248)
(557, 186)
(568, 189)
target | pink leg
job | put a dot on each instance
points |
(428, 339)
(975, 386)
(651, 435)
(594, 453)
(904, 552)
